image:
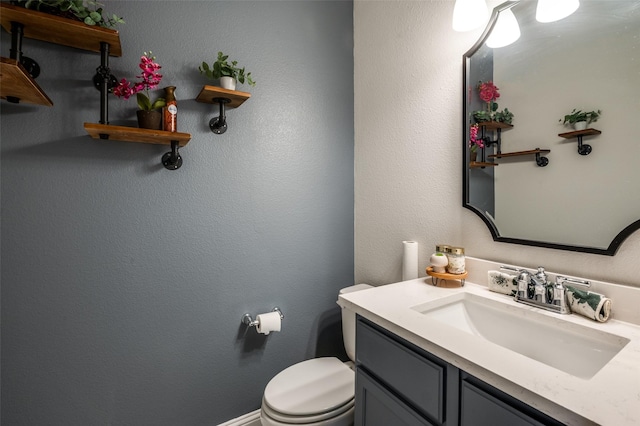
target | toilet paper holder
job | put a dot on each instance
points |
(250, 322)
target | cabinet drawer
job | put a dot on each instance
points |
(413, 374)
(483, 405)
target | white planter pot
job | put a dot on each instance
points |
(580, 125)
(228, 83)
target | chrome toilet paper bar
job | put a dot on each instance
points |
(250, 322)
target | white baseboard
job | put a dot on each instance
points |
(250, 419)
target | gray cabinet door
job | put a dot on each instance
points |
(376, 406)
(406, 371)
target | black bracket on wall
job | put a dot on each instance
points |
(489, 142)
(172, 159)
(583, 149)
(31, 66)
(218, 125)
(540, 160)
(104, 81)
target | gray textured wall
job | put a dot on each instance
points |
(123, 284)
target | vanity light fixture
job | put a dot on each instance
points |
(469, 15)
(506, 30)
(554, 10)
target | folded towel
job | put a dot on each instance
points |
(503, 283)
(592, 305)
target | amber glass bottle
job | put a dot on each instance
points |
(170, 111)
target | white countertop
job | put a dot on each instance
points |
(610, 397)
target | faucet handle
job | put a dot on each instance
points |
(560, 280)
(523, 284)
(541, 275)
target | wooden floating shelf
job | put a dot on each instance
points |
(578, 133)
(58, 30)
(135, 134)
(494, 125)
(208, 94)
(481, 164)
(16, 82)
(520, 153)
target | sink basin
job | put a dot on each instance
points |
(572, 348)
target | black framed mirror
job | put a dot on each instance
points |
(548, 193)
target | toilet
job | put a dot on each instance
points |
(315, 392)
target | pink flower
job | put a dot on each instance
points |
(488, 91)
(474, 142)
(150, 80)
(123, 89)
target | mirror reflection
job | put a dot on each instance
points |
(586, 62)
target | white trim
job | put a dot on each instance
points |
(250, 419)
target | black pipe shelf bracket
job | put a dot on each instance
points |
(583, 149)
(490, 126)
(225, 99)
(218, 125)
(17, 34)
(104, 81)
(172, 159)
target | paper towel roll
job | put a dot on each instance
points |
(268, 322)
(410, 260)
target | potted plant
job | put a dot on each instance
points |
(580, 119)
(148, 115)
(227, 73)
(87, 11)
(475, 142)
(489, 93)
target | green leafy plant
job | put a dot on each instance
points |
(88, 11)
(504, 116)
(579, 115)
(222, 68)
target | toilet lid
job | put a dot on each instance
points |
(311, 387)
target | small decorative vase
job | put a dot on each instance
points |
(228, 83)
(473, 155)
(149, 119)
(580, 125)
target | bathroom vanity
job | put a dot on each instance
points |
(416, 365)
(399, 383)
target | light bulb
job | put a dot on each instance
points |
(506, 30)
(554, 10)
(469, 14)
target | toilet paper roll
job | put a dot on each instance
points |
(410, 260)
(268, 322)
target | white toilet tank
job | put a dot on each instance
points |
(349, 322)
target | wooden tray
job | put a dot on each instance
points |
(444, 279)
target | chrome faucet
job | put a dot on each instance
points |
(534, 289)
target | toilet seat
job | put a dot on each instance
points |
(275, 418)
(316, 390)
